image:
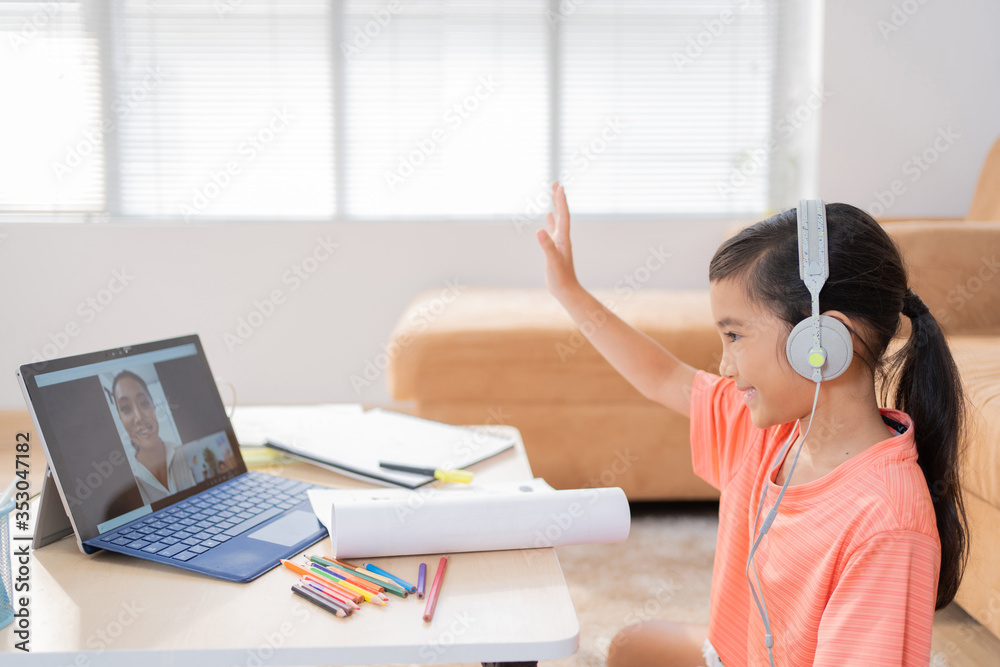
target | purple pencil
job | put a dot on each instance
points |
(421, 578)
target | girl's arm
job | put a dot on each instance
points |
(653, 370)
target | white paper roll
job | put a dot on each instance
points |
(529, 515)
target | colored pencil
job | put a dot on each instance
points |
(386, 585)
(351, 576)
(432, 596)
(389, 585)
(377, 570)
(333, 591)
(332, 599)
(421, 578)
(335, 583)
(318, 601)
(341, 580)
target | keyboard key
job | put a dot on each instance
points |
(210, 543)
(156, 546)
(138, 544)
(173, 550)
(185, 555)
(198, 549)
(250, 523)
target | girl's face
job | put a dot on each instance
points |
(753, 355)
(137, 412)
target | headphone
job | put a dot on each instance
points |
(818, 348)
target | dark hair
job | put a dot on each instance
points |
(868, 283)
(127, 375)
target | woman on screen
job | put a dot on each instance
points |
(159, 467)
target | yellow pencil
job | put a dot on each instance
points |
(367, 595)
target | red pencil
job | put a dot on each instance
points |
(432, 596)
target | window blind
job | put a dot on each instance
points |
(231, 109)
(663, 103)
(367, 109)
(51, 129)
(445, 105)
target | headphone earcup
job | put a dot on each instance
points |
(836, 340)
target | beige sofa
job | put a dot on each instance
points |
(515, 357)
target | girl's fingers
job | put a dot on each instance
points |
(546, 242)
(550, 224)
(562, 209)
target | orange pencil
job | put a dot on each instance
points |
(302, 571)
(333, 591)
(343, 583)
(357, 581)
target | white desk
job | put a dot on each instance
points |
(109, 609)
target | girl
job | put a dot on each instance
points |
(870, 537)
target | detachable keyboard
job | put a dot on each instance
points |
(206, 520)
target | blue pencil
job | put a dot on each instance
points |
(377, 570)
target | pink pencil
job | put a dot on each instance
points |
(432, 595)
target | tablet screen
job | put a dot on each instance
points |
(131, 430)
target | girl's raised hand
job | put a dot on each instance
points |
(560, 276)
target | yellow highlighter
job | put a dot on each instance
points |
(461, 476)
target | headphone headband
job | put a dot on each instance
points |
(819, 347)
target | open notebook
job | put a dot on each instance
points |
(351, 442)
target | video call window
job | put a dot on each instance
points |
(134, 432)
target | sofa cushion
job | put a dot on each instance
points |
(978, 361)
(508, 344)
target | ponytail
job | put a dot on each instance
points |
(929, 389)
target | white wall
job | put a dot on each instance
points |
(204, 278)
(889, 97)
(905, 74)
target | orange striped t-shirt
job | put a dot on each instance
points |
(849, 568)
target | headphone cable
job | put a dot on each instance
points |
(772, 513)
